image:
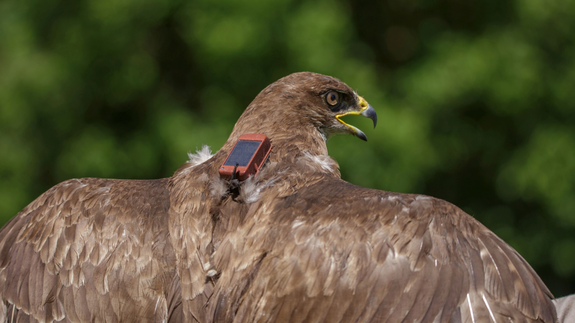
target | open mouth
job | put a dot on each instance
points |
(366, 111)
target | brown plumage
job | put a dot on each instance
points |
(295, 243)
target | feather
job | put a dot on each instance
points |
(66, 297)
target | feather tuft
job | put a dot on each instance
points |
(218, 187)
(252, 188)
(200, 156)
(321, 163)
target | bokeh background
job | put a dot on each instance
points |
(476, 99)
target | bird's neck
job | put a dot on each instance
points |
(286, 145)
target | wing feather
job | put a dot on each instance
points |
(423, 296)
(80, 301)
(69, 253)
(342, 253)
(66, 297)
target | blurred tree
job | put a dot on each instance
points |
(475, 99)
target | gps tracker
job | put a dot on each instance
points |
(247, 157)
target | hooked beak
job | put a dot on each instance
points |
(366, 110)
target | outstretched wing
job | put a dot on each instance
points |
(335, 252)
(90, 250)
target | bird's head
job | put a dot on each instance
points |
(304, 104)
(335, 100)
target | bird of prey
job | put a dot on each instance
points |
(292, 243)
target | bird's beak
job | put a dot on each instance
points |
(365, 110)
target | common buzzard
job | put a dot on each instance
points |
(293, 243)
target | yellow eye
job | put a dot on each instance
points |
(332, 98)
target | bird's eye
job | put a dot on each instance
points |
(332, 98)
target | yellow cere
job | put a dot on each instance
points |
(362, 103)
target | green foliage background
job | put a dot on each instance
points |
(476, 99)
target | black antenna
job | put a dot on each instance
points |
(234, 174)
